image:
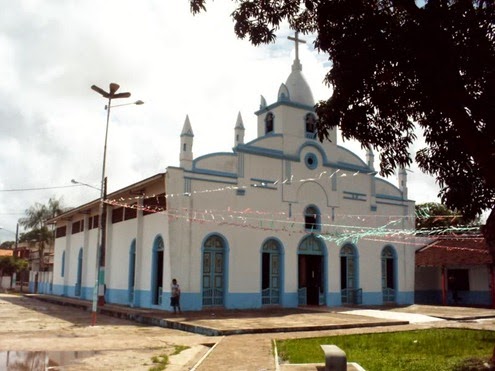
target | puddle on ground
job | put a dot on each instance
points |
(13, 360)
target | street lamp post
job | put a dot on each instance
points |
(99, 287)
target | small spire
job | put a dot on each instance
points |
(262, 102)
(239, 124)
(370, 158)
(187, 129)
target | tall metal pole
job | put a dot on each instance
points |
(99, 287)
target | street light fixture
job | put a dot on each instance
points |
(99, 287)
(73, 181)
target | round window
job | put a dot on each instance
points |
(311, 161)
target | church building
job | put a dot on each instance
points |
(282, 220)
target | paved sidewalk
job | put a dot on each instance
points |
(247, 344)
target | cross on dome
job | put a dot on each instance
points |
(297, 40)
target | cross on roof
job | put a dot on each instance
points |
(297, 40)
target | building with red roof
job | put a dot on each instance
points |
(455, 269)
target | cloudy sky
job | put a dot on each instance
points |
(52, 124)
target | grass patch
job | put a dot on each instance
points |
(433, 349)
(179, 348)
(159, 362)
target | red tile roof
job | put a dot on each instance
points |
(454, 250)
(6, 252)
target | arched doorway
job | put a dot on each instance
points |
(213, 271)
(350, 294)
(78, 290)
(132, 272)
(157, 271)
(270, 272)
(311, 272)
(389, 274)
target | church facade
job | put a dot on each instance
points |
(282, 220)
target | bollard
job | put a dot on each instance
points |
(335, 358)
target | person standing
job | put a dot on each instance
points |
(175, 298)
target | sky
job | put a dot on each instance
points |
(52, 125)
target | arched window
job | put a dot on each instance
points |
(270, 272)
(213, 271)
(311, 219)
(62, 271)
(350, 294)
(388, 274)
(157, 271)
(310, 121)
(269, 123)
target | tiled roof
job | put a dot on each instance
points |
(454, 250)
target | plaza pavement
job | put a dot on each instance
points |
(243, 339)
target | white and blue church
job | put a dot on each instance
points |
(282, 220)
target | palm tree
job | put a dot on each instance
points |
(35, 220)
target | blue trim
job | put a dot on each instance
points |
(213, 172)
(311, 161)
(395, 267)
(355, 256)
(242, 300)
(363, 164)
(79, 271)
(404, 297)
(226, 264)
(284, 103)
(281, 253)
(333, 299)
(387, 183)
(389, 197)
(260, 139)
(278, 154)
(260, 151)
(211, 180)
(324, 253)
(467, 298)
(131, 273)
(154, 271)
(290, 300)
(62, 269)
(58, 290)
(316, 146)
(353, 199)
(355, 193)
(372, 297)
(389, 203)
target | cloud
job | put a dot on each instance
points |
(53, 124)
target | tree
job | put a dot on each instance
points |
(396, 65)
(7, 245)
(433, 218)
(10, 265)
(35, 220)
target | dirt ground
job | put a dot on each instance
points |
(30, 325)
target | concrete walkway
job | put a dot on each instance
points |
(243, 339)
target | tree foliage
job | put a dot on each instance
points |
(35, 221)
(10, 265)
(434, 217)
(396, 64)
(7, 245)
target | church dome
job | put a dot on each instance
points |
(299, 90)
